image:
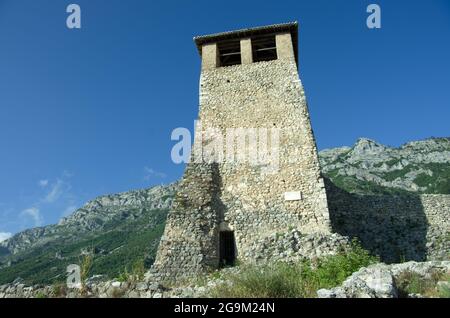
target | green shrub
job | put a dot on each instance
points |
(303, 279)
(275, 280)
(135, 274)
(86, 265)
(41, 295)
(138, 269)
(333, 270)
(412, 283)
(123, 277)
(444, 292)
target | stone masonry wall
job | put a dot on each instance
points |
(266, 95)
(397, 228)
(241, 196)
(189, 243)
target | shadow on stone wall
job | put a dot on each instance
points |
(392, 227)
(191, 238)
(217, 194)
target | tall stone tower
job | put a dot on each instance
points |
(249, 81)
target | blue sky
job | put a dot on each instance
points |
(89, 112)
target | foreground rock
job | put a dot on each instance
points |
(376, 281)
(382, 281)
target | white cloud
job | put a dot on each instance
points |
(34, 214)
(4, 236)
(43, 183)
(150, 173)
(55, 192)
(54, 196)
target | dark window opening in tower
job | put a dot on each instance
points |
(264, 48)
(229, 52)
(227, 251)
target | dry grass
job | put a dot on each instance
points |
(412, 283)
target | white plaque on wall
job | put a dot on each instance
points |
(293, 196)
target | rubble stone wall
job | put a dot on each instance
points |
(395, 227)
(246, 198)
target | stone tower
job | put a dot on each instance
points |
(249, 79)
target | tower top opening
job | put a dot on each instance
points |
(256, 32)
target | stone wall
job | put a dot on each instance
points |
(246, 198)
(397, 228)
(266, 95)
(189, 243)
(294, 246)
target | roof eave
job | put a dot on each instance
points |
(291, 27)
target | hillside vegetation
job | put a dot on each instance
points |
(371, 168)
(118, 232)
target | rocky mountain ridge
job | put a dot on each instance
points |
(119, 228)
(95, 215)
(372, 168)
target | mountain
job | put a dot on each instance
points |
(372, 168)
(118, 229)
(125, 228)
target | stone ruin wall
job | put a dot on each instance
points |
(396, 227)
(244, 199)
(266, 95)
(189, 243)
